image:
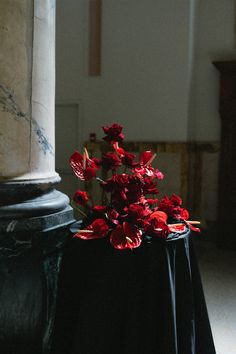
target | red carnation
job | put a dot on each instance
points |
(80, 197)
(113, 133)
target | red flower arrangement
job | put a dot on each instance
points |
(131, 214)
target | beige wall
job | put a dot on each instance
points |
(153, 79)
(157, 76)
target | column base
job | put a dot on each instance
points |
(32, 236)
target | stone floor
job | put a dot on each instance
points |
(218, 272)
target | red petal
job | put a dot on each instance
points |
(126, 236)
(177, 227)
(159, 215)
(145, 157)
(193, 228)
(76, 163)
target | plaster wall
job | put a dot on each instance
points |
(157, 73)
(144, 81)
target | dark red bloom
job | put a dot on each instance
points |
(138, 211)
(128, 159)
(184, 214)
(110, 161)
(80, 197)
(113, 133)
(84, 167)
(98, 229)
(154, 227)
(125, 236)
(149, 187)
(118, 149)
(166, 205)
(113, 215)
(145, 167)
(176, 200)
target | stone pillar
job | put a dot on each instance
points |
(34, 216)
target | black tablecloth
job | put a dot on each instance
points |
(145, 301)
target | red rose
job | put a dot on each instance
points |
(113, 133)
(80, 197)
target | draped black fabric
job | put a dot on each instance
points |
(145, 301)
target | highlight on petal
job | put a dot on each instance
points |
(177, 227)
(126, 236)
(83, 167)
(98, 229)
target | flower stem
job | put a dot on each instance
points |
(74, 205)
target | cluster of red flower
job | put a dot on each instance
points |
(130, 212)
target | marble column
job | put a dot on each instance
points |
(34, 216)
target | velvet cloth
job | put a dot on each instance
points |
(146, 301)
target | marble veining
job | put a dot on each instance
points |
(11, 226)
(42, 140)
(8, 103)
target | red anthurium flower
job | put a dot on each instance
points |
(98, 229)
(193, 228)
(184, 214)
(110, 161)
(125, 236)
(177, 228)
(146, 158)
(113, 133)
(80, 197)
(113, 215)
(145, 167)
(84, 167)
(154, 227)
(118, 149)
(159, 216)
